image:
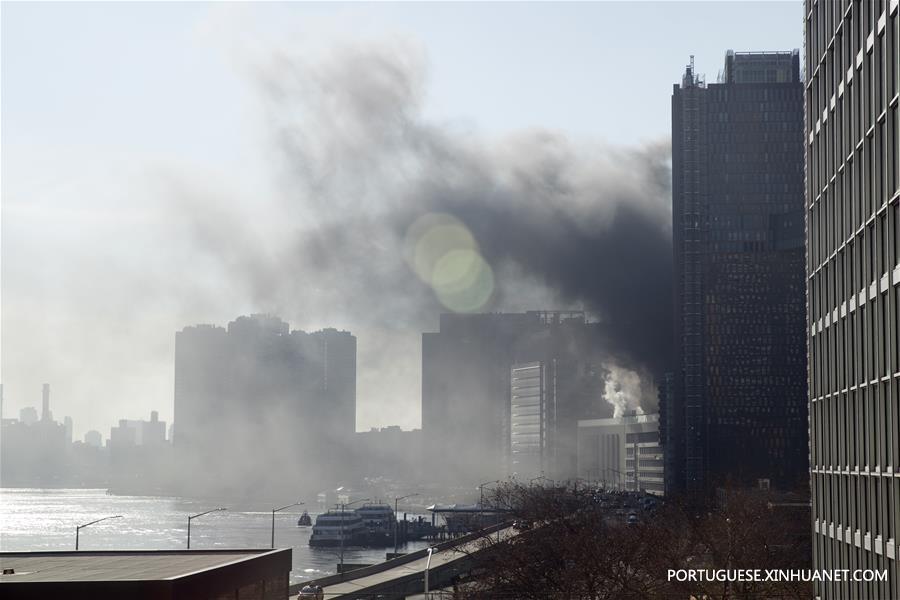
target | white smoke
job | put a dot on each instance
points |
(627, 391)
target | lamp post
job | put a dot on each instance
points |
(396, 500)
(481, 492)
(275, 510)
(192, 517)
(481, 499)
(343, 506)
(428, 566)
(80, 527)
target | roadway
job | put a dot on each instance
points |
(410, 574)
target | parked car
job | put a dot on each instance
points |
(312, 591)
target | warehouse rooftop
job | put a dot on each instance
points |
(158, 574)
(117, 566)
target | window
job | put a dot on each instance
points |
(896, 233)
(895, 49)
(890, 145)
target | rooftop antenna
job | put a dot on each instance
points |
(689, 79)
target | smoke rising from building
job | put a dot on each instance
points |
(626, 391)
(384, 219)
(370, 217)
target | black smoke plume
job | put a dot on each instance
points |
(560, 223)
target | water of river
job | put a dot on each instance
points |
(35, 519)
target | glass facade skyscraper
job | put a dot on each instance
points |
(738, 410)
(853, 289)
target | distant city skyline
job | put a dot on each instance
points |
(122, 121)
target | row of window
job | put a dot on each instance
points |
(720, 313)
(766, 161)
(860, 188)
(852, 175)
(722, 96)
(739, 110)
(863, 261)
(857, 42)
(857, 430)
(642, 437)
(861, 503)
(856, 349)
(848, 122)
(751, 202)
(729, 384)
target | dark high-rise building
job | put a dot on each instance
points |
(667, 405)
(853, 289)
(739, 411)
(263, 395)
(467, 389)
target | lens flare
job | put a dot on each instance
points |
(443, 253)
(471, 292)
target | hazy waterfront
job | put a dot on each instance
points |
(36, 519)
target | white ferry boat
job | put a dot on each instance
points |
(379, 521)
(334, 528)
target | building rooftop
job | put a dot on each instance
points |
(119, 565)
(627, 419)
(761, 67)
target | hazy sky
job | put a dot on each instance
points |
(110, 111)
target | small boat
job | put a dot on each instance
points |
(304, 520)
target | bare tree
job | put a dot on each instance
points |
(572, 545)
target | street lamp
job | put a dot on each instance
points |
(275, 510)
(481, 499)
(396, 500)
(428, 566)
(481, 491)
(192, 517)
(80, 527)
(343, 506)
